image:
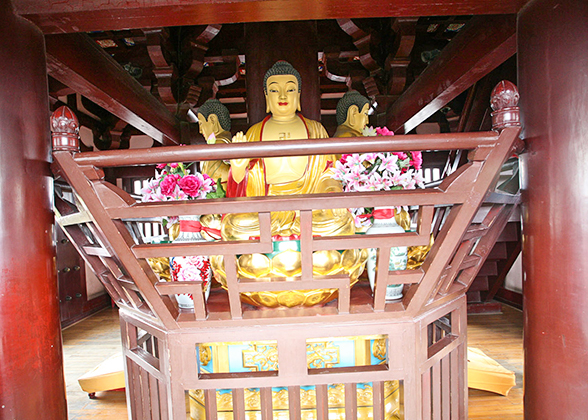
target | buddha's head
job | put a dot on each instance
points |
(282, 85)
(213, 118)
(352, 110)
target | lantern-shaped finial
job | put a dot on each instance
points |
(65, 130)
(505, 103)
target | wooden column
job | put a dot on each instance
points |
(31, 364)
(295, 42)
(552, 42)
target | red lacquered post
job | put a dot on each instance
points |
(32, 384)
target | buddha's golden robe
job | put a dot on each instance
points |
(346, 131)
(285, 261)
(316, 179)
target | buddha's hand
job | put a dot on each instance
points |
(238, 166)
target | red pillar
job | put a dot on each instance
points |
(553, 82)
(32, 384)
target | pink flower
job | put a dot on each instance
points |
(178, 194)
(417, 160)
(374, 183)
(208, 185)
(383, 131)
(191, 185)
(401, 155)
(389, 163)
(354, 179)
(161, 165)
(354, 160)
(168, 184)
(173, 165)
(371, 157)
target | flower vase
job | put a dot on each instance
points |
(385, 222)
(190, 268)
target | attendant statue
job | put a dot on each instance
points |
(286, 176)
(352, 114)
(214, 123)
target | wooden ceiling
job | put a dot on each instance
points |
(139, 66)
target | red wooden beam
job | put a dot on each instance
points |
(58, 16)
(481, 46)
(80, 63)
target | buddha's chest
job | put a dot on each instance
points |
(284, 169)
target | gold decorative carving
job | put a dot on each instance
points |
(252, 399)
(322, 355)
(205, 354)
(336, 401)
(224, 401)
(261, 358)
(280, 399)
(379, 349)
(160, 267)
(365, 396)
(308, 399)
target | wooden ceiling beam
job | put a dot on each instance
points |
(58, 16)
(481, 46)
(80, 63)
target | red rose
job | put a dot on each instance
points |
(168, 185)
(191, 185)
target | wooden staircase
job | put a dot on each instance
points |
(488, 285)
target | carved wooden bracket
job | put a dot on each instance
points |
(397, 62)
(199, 46)
(335, 70)
(161, 68)
(362, 41)
(65, 130)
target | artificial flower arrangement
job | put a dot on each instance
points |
(175, 181)
(378, 172)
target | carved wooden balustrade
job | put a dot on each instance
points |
(424, 332)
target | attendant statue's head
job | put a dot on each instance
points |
(282, 84)
(213, 118)
(352, 111)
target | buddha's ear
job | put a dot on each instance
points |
(298, 107)
(213, 119)
(352, 112)
(267, 107)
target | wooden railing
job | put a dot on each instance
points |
(120, 258)
(99, 219)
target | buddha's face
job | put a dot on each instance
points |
(361, 118)
(364, 117)
(282, 98)
(206, 127)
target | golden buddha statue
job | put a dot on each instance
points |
(214, 123)
(352, 114)
(286, 176)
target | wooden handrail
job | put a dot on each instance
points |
(445, 141)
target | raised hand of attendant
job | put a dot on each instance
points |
(238, 166)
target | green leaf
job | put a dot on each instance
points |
(220, 191)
